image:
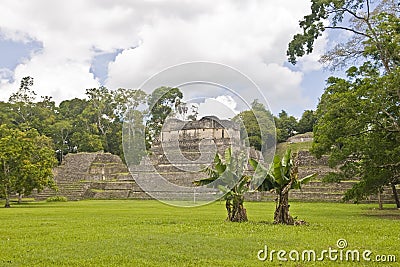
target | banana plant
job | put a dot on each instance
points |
(281, 177)
(228, 175)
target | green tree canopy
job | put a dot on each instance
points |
(358, 116)
(306, 122)
(285, 126)
(26, 162)
(373, 28)
(94, 124)
(358, 125)
(162, 103)
(258, 127)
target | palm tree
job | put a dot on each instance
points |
(228, 176)
(282, 176)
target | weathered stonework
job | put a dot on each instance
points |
(105, 176)
(93, 175)
(186, 147)
(209, 127)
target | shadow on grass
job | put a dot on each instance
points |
(30, 204)
(387, 213)
(261, 222)
(270, 223)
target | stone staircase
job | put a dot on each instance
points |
(322, 192)
(92, 175)
(72, 190)
(105, 176)
(317, 190)
(68, 177)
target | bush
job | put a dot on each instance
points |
(332, 177)
(57, 199)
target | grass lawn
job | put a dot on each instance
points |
(149, 233)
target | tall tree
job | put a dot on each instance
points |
(134, 137)
(100, 112)
(44, 115)
(25, 112)
(127, 101)
(105, 113)
(94, 124)
(61, 132)
(26, 162)
(306, 122)
(358, 117)
(162, 103)
(285, 126)
(359, 126)
(70, 126)
(257, 126)
(22, 104)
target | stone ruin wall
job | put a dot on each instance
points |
(94, 176)
(105, 176)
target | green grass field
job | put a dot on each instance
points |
(149, 233)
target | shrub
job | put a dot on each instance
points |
(57, 199)
(332, 177)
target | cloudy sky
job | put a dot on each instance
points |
(68, 46)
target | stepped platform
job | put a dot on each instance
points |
(321, 192)
(92, 175)
(105, 176)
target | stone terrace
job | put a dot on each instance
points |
(93, 175)
(105, 176)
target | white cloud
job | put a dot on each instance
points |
(5, 74)
(70, 33)
(251, 36)
(310, 62)
(223, 106)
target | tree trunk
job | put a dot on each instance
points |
(236, 210)
(19, 198)
(395, 195)
(7, 196)
(282, 215)
(6, 189)
(228, 206)
(7, 205)
(380, 200)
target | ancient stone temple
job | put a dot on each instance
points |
(186, 147)
(182, 151)
(209, 127)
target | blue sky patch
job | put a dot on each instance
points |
(14, 53)
(99, 66)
